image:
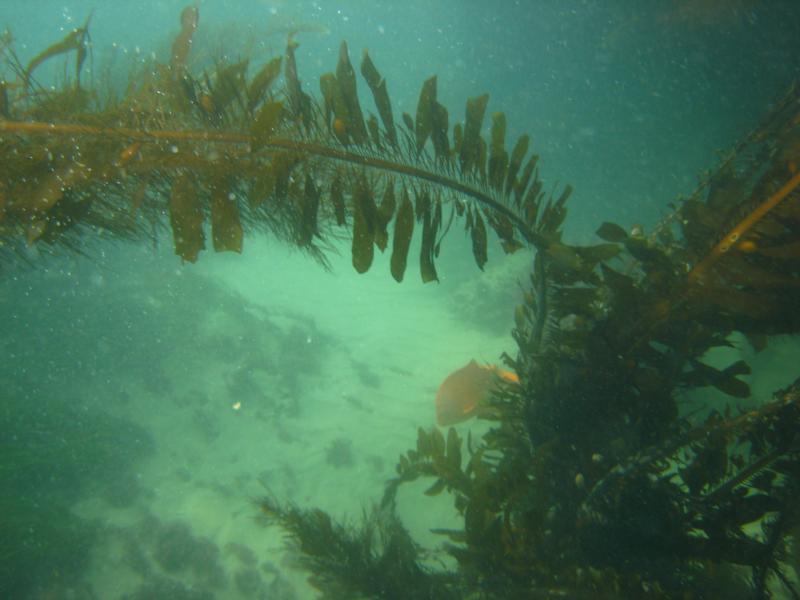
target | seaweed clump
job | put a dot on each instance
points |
(375, 559)
(591, 482)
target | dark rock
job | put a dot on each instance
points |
(340, 453)
(249, 583)
(174, 547)
(244, 554)
(122, 491)
(176, 550)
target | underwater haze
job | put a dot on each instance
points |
(147, 400)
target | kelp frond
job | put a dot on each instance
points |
(235, 150)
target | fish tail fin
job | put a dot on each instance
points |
(509, 376)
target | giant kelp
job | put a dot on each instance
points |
(591, 483)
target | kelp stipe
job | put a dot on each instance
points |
(736, 236)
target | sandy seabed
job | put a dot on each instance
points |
(288, 380)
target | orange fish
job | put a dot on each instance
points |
(464, 392)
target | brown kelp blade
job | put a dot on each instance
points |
(181, 46)
(75, 40)
(380, 95)
(403, 231)
(262, 82)
(226, 225)
(186, 218)
(479, 240)
(364, 224)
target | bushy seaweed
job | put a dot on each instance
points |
(376, 558)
